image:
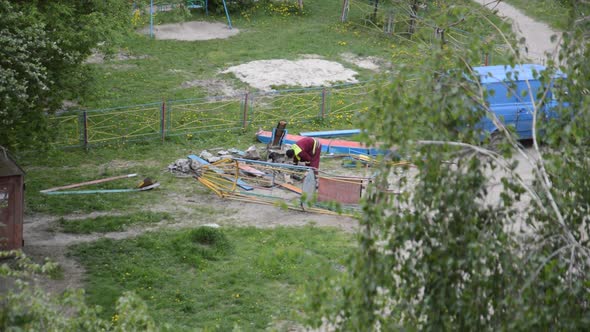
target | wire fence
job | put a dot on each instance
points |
(337, 105)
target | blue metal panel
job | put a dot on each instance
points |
(512, 93)
(502, 73)
(331, 133)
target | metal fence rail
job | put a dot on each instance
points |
(133, 123)
(337, 104)
(347, 101)
(294, 106)
(202, 115)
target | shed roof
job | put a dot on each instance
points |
(492, 74)
(8, 167)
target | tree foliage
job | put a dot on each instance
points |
(469, 244)
(43, 45)
(27, 307)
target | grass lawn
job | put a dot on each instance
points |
(147, 159)
(214, 279)
(163, 65)
(163, 70)
(244, 277)
(169, 63)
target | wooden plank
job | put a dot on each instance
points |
(6, 213)
(19, 203)
(76, 185)
(251, 170)
(240, 182)
(11, 212)
(102, 191)
(291, 187)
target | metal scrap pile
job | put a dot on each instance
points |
(186, 167)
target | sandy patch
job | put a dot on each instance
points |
(369, 62)
(267, 74)
(191, 31)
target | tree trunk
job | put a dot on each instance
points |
(413, 16)
(375, 8)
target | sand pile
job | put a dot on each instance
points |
(266, 74)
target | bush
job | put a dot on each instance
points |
(216, 6)
(203, 243)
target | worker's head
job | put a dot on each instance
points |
(290, 153)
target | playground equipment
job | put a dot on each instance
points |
(279, 184)
(190, 4)
(195, 4)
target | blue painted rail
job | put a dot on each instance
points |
(331, 133)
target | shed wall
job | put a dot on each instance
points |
(11, 212)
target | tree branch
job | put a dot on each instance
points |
(497, 158)
(545, 261)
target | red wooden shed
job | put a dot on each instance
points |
(12, 198)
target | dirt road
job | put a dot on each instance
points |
(537, 34)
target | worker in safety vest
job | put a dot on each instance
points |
(306, 150)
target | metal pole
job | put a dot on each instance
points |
(85, 123)
(227, 15)
(152, 18)
(163, 120)
(245, 113)
(323, 107)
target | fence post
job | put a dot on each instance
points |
(163, 120)
(345, 10)
(85, 128)
(245, 112)
(323, 108)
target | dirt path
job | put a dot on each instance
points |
(537, 48)
(537, 34)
